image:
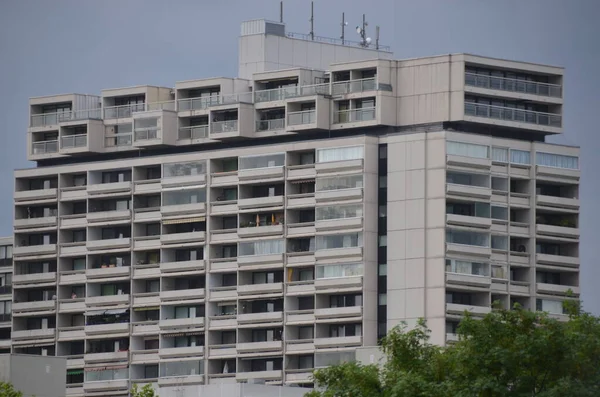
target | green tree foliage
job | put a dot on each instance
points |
(7, 390)
(146, 391)
(508, 353)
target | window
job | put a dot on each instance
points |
(326, 359)
(500, 184)
(383, 269)
(382, 300)
(151, 371)
(557, 161)
(228, 337)
(520, 157)
(116, 176)
(153, 173)
(500, 154)
(466, 267)
(307, 332)
(152, 286)
(184, 169)
(339, 154)
(307, 158)
(80, 180)
(341, 270)
(306, 362)
(467, 238)
(335, 241)
(342, 330)
(339, 212)
(153, 229)
(306, 303)
(500, 242)
(340, 182)
(264, 247)
(181, 368)
(383, 241)
(499, 213)
(271, 160)
(460, 298)
(79, 264)
(383, 181)
(79, 236)
(467, 150)
(550, 306)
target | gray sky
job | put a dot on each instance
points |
(62, 46)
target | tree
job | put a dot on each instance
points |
(512, 353)
(146, 391)
(7, 390)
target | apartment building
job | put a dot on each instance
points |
(6, 270)
(251, 229)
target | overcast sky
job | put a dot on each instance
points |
(63, 46)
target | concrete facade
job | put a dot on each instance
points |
(251, 229)
(34, 376)
(6, 270)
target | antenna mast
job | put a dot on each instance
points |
(343, 26)
(281, 12)
(376, 37)
(312, 20)
(364, 41)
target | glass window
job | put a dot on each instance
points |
(184, 169)
(520, 156)
(181, 368)
(383, 269)
(271, 160)
(467, 238)
(339, 182)
(383, 241)
(184, 196)
(264, 247)
(339, 212)
(79, 264)
(80, 180)
(500, 184)
(466, 267)
(557, 160)
(550, 306)
(500, 154)
(499, 213)
(334, 241)
(467, 150)
(341, 270)
(339, 154)
(500, 242)
(326, 359)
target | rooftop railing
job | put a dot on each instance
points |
(279, 94)
(46, 119)
(513, 85)
(512, 114)
(352, 86)
(125, 111)
(329, 40)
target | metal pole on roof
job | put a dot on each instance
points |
(281, 12)
(312, 20)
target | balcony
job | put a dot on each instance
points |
(223, 264)
(339, 224)
(260, 347)
(43, 148)
(253, 318)
(178, 238)
(183, 209)
(197, 132)
(108, 387)
(300, 288)
(339, 253)
(339, 195)
(109, 272)
(339, 166)
(260, 231)
(186, 351)
(74, 142)
(35, 250)
(109, 188)
(468, 279)
(107, 329)
(350, 283)
(142, 271)
(468, 191)
(144, 357)
(118, 142)
(146, 299)
(511, 117)
(328, 314)
(557, 231)
(183, 266)
(300, 346)
(253, 260)
(557, 202)
(519, 288)
(36, 195)
(260, 202)
(222, 351)
(122, 112)
(72, 277)
(106, 357)
(270, 125)
(354, 115)
(182, 295)
(145, 328)
(78, 221)
(260, 289)
(497, 83)
(305, 171)
(71, 305)
(298, 376)
(223, 322)
(468, 162)
(456, 308)
(301, 229)
(109, 300)
(557, 260)
(224, 207)
(194, 322)
(220, 127)
(469, 221)
(462, 249)
(283, 93)
(50, 119)
(147, 186)
(555, 289)
(223, 294)
(109, 216)
(31, 223)
(353, 86)
(109, 244)
(47, 333)
(226, 235)
(302, 118)
(184, 180)
(71, 333)
(146, 243)
(34, 278)
(224, 178)
(266, 375)
(261, 174)
(299, 317)
(341, 341)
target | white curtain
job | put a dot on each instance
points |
(342, 270)
(557, 161)
(520, 157)
(467, 150)
(337, 183)
(339, 154)
(339, 212)
(270, 160)
(339, 241)
(500, 154)
(550, 306)
(264, 247)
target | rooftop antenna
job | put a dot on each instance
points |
(344, 24)
(312, 20)
(281, 12)
(376, 37)
(362, 32)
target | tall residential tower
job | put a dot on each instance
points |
(255, 228)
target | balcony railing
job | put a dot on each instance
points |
(167, 105)
(303, 117)
(5, 289)
(193, 132)
(224, 126)
(73, 141)
(44, 119)
(511, 114)
(353, 86)
(5, 317)
(146, 134)
(268, 125)
(119, 140)
(352, 115)
(513, 85)
(121, 112)
(201, 103)
(44, 147)
(279, 94)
